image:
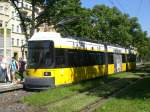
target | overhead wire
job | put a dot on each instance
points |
(139, 7)
(121, 6)
(118, 4)
(149, 2)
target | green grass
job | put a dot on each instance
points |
(73, 104)
(134, 99)
(58, 93)
(125, 75)
(52, 95)
(77, 102)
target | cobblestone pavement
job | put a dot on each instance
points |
(10, 102)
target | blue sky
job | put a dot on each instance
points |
(135, 8)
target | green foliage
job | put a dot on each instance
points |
(133, 99)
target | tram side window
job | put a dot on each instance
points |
(91, 59)
(131, 58)
(134, 58)
(72, 56)
(85, 58)
(60, 58)
(110, 58)
(123, 58)
(128, 58)
(102, 57)
(98, 59)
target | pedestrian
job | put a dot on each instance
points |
(13, 69)
(8, 69)
(21, 68)
(3, 67)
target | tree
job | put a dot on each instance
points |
(53, 11)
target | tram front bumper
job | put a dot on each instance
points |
(39, 83)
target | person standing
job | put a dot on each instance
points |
(8, 69)
(21, 68)
(13, 69)
(3, 65)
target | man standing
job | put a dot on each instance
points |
(21, 68)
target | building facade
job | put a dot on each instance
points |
(11, 36)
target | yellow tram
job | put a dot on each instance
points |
(54, 60)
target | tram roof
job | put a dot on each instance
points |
(45, 36)
(59, 40)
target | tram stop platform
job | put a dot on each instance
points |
(4, 87)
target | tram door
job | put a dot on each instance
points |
(118, 62)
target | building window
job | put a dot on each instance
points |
(21, 42)
(6, 9)
(26, 6)
(17, 29)
(12, 41)
(12, 28)
(17, 42)
(1, 23)
(13, 14)
(17, 15)
(1, 8)
(6, 23)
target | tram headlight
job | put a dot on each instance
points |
(47, 73)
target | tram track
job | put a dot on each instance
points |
(11, 101)
(94, 105)
(12, 96)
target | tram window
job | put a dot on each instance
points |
(60, 58)
(102, 58)
(110, 58)
(84, 58)
(90, 59)
(131, 58)
(71, 58)
(123, 58)
(40, 54)
(81, 58)
(97, 58)
(128, 58)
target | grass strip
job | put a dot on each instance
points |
(79, 101)
(55, 94)
(134, 99)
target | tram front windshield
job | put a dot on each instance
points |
(40, 54)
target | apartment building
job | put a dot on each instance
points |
(5, 33)
(11, 36)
